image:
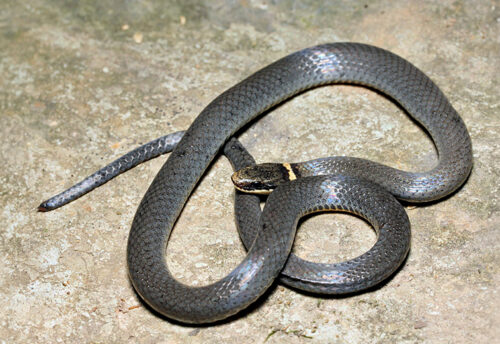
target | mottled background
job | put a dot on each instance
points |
(82, 82)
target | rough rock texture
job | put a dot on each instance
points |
(85, 81)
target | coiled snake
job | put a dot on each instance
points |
(338, 183)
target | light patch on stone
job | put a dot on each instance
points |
(49, 257)
(17, 220)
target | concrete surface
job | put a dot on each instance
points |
(85, 81)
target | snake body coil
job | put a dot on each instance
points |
(338, 183)
(325, 64)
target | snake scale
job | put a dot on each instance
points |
(346, 184)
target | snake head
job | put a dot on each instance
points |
(262, 178)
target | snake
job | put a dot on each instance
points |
(346, 184)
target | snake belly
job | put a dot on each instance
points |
(325, 64)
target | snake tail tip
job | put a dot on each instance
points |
(42, 208)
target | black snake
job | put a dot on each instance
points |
(339, 183)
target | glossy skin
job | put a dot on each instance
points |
(150, 150)
(332, 63)
(298, 273)
(165, 198)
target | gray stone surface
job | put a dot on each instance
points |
(82, 82)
